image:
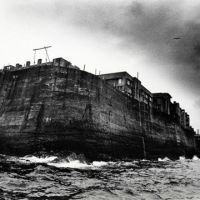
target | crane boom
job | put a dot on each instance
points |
(41, 48)
(45, 48)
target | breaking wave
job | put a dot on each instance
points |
(72, 161)
(182, 158)
(195, 158)
(76, 164)
(164, 159)
(35, 159)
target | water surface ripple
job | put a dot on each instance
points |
(71, 177)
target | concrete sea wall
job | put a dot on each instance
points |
(48, 107)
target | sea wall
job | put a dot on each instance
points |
(169, 138)
(48, 107)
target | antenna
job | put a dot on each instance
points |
(45, 48)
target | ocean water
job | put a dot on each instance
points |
(72, 177)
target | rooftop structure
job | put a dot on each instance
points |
(56, 62)
(129, 85)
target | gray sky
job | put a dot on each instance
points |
(115, 35)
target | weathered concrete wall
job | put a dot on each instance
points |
(168, 138)
(51, 107)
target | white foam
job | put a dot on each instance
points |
(164, 159)
(99, 164)
(34, 159)
(195, 158)
(68, 162)
(182, 158)
(145, 159)
(76, 164)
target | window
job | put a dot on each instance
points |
(119, 81)
(128, 82)
(119, 87)
(129, 91)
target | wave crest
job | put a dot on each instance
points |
(72, 161)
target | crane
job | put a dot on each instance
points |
(45, 48)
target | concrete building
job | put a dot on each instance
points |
(187, 120)
(129, 85)
(179, 115)
(183, 118)
(161, 102)
(175, 111)
(63, 63)
(136, 84)
(122, 81)
(146, 96)
(60, 62)
(9, 67)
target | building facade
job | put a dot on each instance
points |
(161, 102)
(129, 85)
(145, 100)
(175, 111)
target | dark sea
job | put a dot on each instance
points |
(72, 177)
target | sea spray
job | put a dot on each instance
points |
(195, 158)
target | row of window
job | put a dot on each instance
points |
(118, 83)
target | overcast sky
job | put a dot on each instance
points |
(115, 35)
